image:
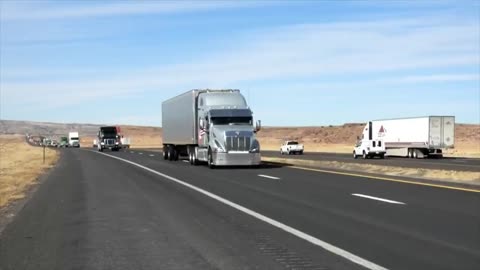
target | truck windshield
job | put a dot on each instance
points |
(74, 138)
(232, 120)
(292, 143)
(109, 135)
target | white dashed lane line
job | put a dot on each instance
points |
(269, 177)
(377, 198)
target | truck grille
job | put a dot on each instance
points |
(239, 143)
(110, 141)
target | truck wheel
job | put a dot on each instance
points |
(354, 155)
(364, 156)
(210, 160)
(301, 152)
(382, 156)
(170, 153)
(414, 154)
(175, 154)
(165, 152)
(281, 152)
(194, 158)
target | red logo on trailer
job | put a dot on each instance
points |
(382, 131)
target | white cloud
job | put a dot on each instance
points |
(33, 10)
(346, 49)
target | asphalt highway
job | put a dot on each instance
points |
(459, 164)
(133, 210)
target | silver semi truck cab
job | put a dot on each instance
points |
(212, 126)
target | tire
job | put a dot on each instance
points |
(364, 156)
(170, 153)
(382, 156)
(301, 153)
(210, 159)
(175, 154)
(414, 153)
(190, 157)
(165, 152)
(194, 158)
(354, 155)
(281, 152)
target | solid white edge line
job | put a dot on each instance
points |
(269, 177)
(185, 161)
(152, 155)
(377, 198)
(140, 153)
(329, 247)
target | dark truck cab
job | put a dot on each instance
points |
(108, 138)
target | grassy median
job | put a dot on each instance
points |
(465, 177)
(20, 166)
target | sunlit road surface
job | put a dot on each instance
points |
(123, 210)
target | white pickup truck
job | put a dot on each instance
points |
(369, 149)
(291, 147)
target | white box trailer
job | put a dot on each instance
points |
(125, 141)
(415, 137)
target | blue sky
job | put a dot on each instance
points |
(299, 63)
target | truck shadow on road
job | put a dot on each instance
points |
(263, 165)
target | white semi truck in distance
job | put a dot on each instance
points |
(73, 139)
(416, 137)
(213, 126)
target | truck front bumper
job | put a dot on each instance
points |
(110, 146)
(236, 159)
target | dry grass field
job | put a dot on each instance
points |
(20, 166)
(464, 177)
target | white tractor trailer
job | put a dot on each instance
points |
(416, 137)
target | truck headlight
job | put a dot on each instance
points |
(116, 143)
(102, 143)
(255, 148)
(219, 147)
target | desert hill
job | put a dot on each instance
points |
(326, 138)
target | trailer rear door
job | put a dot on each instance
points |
(448, 125)
(435, 138)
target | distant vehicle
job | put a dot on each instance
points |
(416, 137)
(369, 149)
(125, 142)
(291, 147)
(63, 142)
(213, 126)
(73, 139)
(46, 142)
(108, 138)
(54, 143)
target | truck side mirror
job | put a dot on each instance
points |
(258, 126)
(202, 123)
